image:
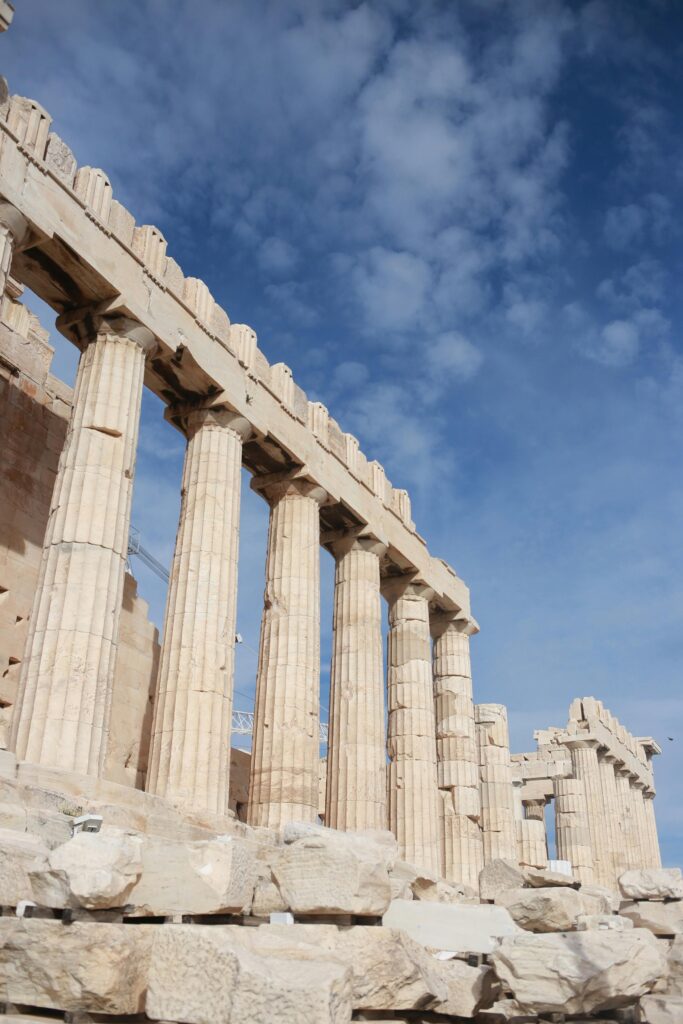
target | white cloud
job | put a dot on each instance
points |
(277, 256)
(624, 225)
(392, 288)
(451, 357)
(619, 344)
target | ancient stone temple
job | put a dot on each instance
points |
(421, 877)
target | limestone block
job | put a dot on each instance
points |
(548, 910)
(470, 989)
(498, 876)
(30, 123)
(174, 279)
(602, 922)
(93, 187)
(121, 223)
(60, 159)
(200, 974)
(612, 899)
(220, 323)
(659, 918)
(579, 972)
(243, 343)
(197, 296)
(204, 877)
(19, 852)
(652, 884)
(389, 970)
(318, 878)
(92, 870)
(658, 1009)
(318, 421)
(149, 245)
(538, 878)
(98, 968)
(373, 845)
(455, 927)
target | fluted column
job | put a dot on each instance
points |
(642, 843)
(498, 818)
(653, 837)
(457, 759)
(628, 851)
(356, 789)
(62, 714)
(286, 746)
(190, 748)
(584, 755)
(572, 830)
(532, 846)
(606, 762)
(413, 790)
(13, 231)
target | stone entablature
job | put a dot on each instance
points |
(108, 263)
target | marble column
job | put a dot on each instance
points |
(532, 846)
(534, 810)
(651, 824)
(642, 850)
(62, 713)
(628, 848)
(584, 755)
(498, 818)
(572, 831)
(413, 789)
(283, 783)
(608, 782)
(190, 748)
(457, 759)
(356, 788)
(13, 231)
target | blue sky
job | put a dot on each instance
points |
(460, 225)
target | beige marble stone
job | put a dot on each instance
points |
(456, 750)
(356, 784)
(190, 753)
(579, 972)
(628, 848)
(62, 712)
(532, 846)
(586, 767)
(652, 884)
(498, 822)
(284, 765)
(553, 909)
(413, 789)
(613, 862)
(572, 831)
(655, 856)
(13, 231)
(99, 968)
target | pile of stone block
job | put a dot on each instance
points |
(307, 924)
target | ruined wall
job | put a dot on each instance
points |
(34, 412)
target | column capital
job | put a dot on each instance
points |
(190, 418)
(356, 538)
(85, 325)
(580, 742)
(14, 222)
(296, 481)
(406, 585)
(441, 621)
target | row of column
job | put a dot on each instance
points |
(61, 716)
(605, 820)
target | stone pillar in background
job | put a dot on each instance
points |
(572, 832)
(13, 231)
(413, 790)
(190, 748)
(356, 790)
(61, 716)
(613, 859)
(498, 819)
(456, 750)
(532, 846)
(584, 754)
(652, 836)
(641, 845)
(628, 848)
(283, 784)
(534, 810)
